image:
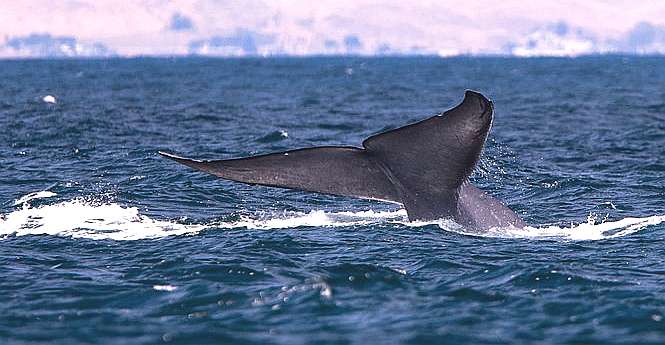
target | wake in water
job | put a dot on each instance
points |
(84, 219)
(79, 218)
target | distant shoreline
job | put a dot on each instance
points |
(339, 56)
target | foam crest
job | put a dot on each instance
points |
(317, 218)
(589, 231)
(86, 219)
(81, 218)
(36, 195)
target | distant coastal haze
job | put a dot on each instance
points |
(256, 28)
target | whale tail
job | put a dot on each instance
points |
(422, 165)
(337, 170)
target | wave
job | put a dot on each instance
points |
(36, 195)
(589, 231)
(80, 218)
(84, 219)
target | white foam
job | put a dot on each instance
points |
(81, 218)
(36, 195)
(316, 218)
(589, 231)
(167, 288)
(49, 99)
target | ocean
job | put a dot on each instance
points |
(104, 241)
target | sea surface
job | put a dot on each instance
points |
(104, 241)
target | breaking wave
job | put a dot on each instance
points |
(81, 218)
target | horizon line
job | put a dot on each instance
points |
(307, 56)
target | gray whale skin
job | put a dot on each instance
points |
(424, 166)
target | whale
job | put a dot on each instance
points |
(424, 166)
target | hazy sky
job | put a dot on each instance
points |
(302, 27)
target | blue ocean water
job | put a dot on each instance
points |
(103, 241)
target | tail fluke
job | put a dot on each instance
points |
(345, 171)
